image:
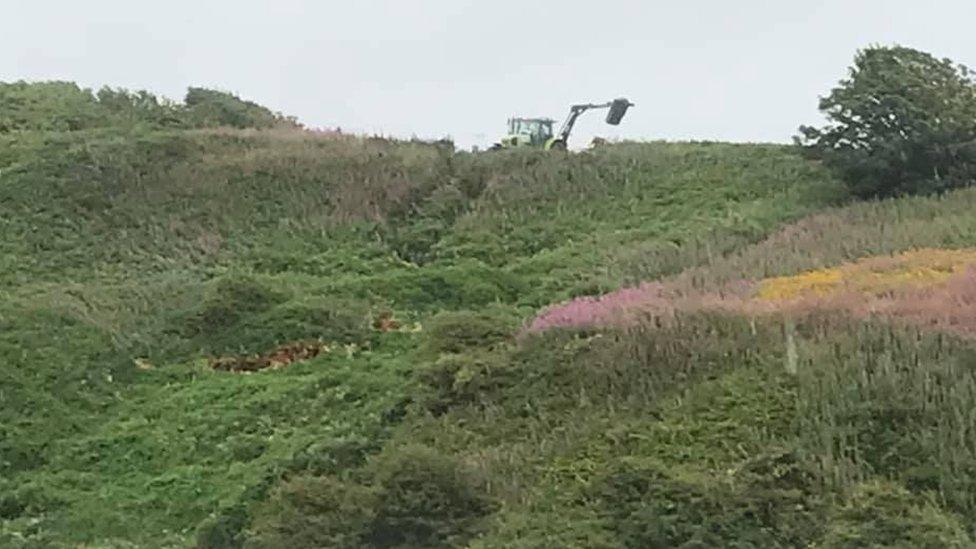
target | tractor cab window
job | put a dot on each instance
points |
(535, 131)
(542, 129)
(536, 128)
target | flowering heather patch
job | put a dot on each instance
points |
(931, 288)
(610, 308)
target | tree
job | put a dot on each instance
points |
(213, 108)
(47, 106)
(64, 106)
(902, 122)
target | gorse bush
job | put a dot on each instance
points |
(241, 313)
(426, 499)
(51, 106)
(458, 331)
(883, 514)
(903, 122)
(64, 106)
(232, 298)
(416, 498)
(211, 109)
(457, 379)
(648, 507)
(309, 512)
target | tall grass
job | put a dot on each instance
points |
(835, 236)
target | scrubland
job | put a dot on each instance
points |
(469, 387)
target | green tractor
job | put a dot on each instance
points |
(537, 132)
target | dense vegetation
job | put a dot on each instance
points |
(132, 255)
(64, 106)
(903, 122)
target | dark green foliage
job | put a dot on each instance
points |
(464, 284)
(456, 379)
(313, 512)
(693, 434)
(224, 531)
(335, 455)
(16, 502)
(458, 331)
(49, 106)
(415, 497)
(648, 507)
(64, 106)
(902, 122)
(232, 299)
(884, 514)
(135, 107)
(337, 320)
(212, 109)
(426, 499)
(240, 313)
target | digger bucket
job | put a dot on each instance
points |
(618, 108)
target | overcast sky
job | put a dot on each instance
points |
(742, 70)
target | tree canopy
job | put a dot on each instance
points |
(902, 122)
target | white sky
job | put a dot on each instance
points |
(736, 70)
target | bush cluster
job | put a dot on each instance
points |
(64, 106)
(410, 496)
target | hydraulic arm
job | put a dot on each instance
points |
(618, 107)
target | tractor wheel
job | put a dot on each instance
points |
(558, 145)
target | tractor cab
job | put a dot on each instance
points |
(528, 131)
(537, 132)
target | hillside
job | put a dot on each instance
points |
(142, 267)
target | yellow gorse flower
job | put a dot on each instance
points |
(872, 276)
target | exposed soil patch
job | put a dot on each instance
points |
(385, 322)
(298, 351)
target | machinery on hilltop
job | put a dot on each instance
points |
(537, 132)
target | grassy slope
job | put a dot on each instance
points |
(172, 246)
(697, 435)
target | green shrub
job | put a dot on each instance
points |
(224, 531)
(458, 331)
(648, 506)
(26, 500)
(329, 319)
(18, 455)
(456, 379)
(415, 240)
(65, 106)
(309, 512)
(50, 106)
(435, 287)
(242, 314)
(884, 514)
(231, 299)
(425, 499)
(411, 496)
(207, 108)
(334, 456)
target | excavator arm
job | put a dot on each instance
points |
(618, 107)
